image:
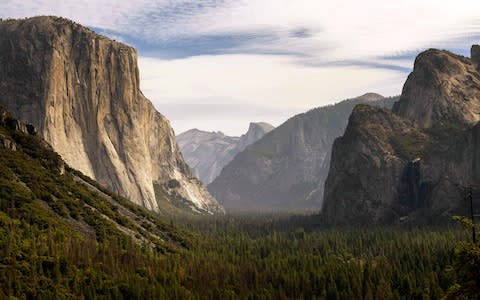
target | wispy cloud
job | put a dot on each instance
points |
(276, 85)
(208, 116)
(273, 52)
(325, 30)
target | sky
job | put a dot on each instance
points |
(219, 65)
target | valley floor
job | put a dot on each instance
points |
(281, 257)
(254, 257)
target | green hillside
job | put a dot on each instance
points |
(62, 235)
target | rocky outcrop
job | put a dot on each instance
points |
(12, 130)
(5, 141)
(286, 169)
(443, 88)
(208, 152)
(81, 91)
(412, 163)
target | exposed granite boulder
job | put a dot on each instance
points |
(81, 90)
(255, 132)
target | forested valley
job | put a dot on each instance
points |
(236, 257)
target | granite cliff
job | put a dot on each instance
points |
(414, 162)
(208, 152)
(81, 90)
(38, 187)
(286, 169)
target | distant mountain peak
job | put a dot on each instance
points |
(208, 152)
(199, 132)
(370, 97)
(255, 132)
(259, 126)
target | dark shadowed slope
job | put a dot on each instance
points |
(412, 163)
(286, 169)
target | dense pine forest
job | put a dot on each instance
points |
(268, 257)
(230, 258)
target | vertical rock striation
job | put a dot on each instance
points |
(81, 90)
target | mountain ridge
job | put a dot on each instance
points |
(285, 169)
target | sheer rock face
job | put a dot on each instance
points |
(208, 152)
(414, 161)
(287, 168)
(385, 167)
(81, 91)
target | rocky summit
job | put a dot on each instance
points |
(412, 163)
(443, 87)
(208, 152)
(286, 169)
(81, 90)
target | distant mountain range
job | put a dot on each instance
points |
(208, 152)
(287, 168)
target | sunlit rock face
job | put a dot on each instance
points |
(443, 87)
(81, 90)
